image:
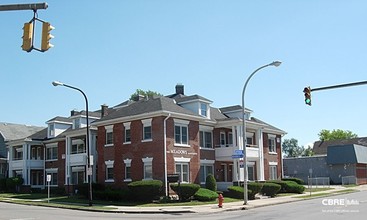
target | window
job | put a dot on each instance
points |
(148, 168)
(272, 147)
(53, 173)
(182, 169)
(273, 172)
(76, 123)
(222, 139)
(230, 139)
(36, 177)
(36, 153)
(77, 177)
(109, 171)
(181, 135)
(249, 139)
(205, 170)
(51, 153)
(109, 135)
(78, 146)
(147, 129)
(251, 172)
(51, 130)
(206, 139)
(127, 133)
(18, 153)
(203, 109)
(127, 169)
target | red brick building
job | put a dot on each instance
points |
(151, 138)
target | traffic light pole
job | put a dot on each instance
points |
(18, 7)
(339, 86)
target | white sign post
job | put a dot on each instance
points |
(48, 187)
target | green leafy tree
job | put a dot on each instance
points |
(291, 148)
(308, 152)
(336, 134)
(147, 93)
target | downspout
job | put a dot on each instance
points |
(165, 154)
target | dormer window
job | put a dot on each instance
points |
(51, 130)
(203, 109)
(76, 123)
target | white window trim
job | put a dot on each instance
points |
(53, 145)
(182, 159)
(220, 139)
(147, 161)
(181, 123)
(127, 127)
(109, 164)
(271, 163)
(212, 137)
(127, 163)
(147, 123)
(108, 128)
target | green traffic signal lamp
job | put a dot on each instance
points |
(307, 91)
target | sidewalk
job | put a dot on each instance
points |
(212, 208)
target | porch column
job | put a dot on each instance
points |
(67, 161)
(260, 167)
(25, 171)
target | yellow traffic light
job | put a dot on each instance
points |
(307, 91)
(46, 36)
(27, 37)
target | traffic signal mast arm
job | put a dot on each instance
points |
(339, 86)
(307, 90)
(17, 7)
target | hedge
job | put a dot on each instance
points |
(146, 190)
(238, 193)
(270, 189)
(297, 180)
(185, 191)
(289, 186)
(253, 189)
(205, 195)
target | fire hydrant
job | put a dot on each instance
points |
(220, 200)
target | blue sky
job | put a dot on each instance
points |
(111, 48)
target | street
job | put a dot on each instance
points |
(346, 206)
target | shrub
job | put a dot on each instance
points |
(185, 191)
(205, 195)
(297, 180)
(113, 194)
(270, 189)
(146, 190)
(2, 184)
(289, 186)
(235, 192)
(253, 189)
(13, 183)
(83, 189)
(211, 183)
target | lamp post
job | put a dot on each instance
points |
(89, 170)
(244, 138)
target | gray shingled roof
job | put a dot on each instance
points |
(148, 106)
(320, 147)
(61, 119)
(17, 131)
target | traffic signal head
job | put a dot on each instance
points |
(307, 91)
(46, 36)
(27, 37)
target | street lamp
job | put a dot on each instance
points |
(89, 170)
(244, 138)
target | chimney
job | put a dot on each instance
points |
(180, 89)
(104, 110)
(73, 112)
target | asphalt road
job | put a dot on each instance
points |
(351, 206)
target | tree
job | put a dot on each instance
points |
(308, 152)
(147, 93)
(291, 148)
(336, 134)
